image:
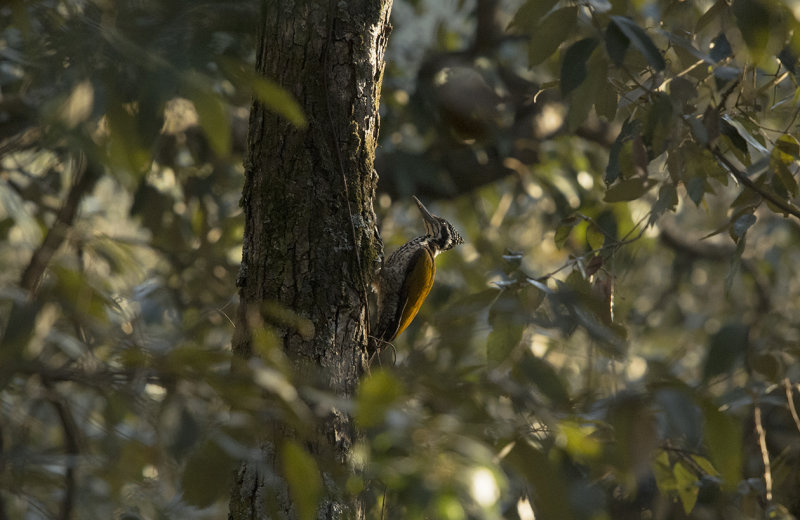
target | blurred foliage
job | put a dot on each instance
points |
(617, 339)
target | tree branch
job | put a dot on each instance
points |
(85, 179)
(786, 206)
(71, 436)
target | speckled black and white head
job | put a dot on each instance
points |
(443, 235)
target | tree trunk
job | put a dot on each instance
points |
(309, 242)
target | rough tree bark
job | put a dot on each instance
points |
(309, 244)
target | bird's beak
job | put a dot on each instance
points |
(430, 220)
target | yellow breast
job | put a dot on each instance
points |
(415, 289)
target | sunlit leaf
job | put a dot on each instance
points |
(788, 145)
(687, 486)
(577, 440)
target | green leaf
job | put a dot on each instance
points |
(547, 485)
(613, 170)
(783, 159)
(667, 201)
(705, 464)
(583, 97)
(658, 126)
(564, 229)
(727, 349)
(18, 329)
(554, 29)
(696, 188)
(713, 13)
(606, 102)
(211, 113)
(577, 439)
(789, 145)
(573, 68)
(508, 319)
(125, 148)
(738, 142)
(741, 224)
(640, 40)
(629, 189)
(207, 475)
(753, 19)
(269, 93)
(303, 477)
(536, 371)
(682, 92)
(687, 486)
(616, 43)
(527, 18)
(377, 392)
(723, 439)
(502, 341)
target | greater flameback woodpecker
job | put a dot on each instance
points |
(407, 276)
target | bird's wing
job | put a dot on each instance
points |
(415, 289)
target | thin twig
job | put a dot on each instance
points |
(762, 443)
(744, 179)
(615, 245)
(3, 512)
(787, 385)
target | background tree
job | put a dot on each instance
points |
(617, 339)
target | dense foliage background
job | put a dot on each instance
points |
(617, 339)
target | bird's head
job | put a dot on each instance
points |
(444, 236)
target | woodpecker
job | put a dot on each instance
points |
(407, 276)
